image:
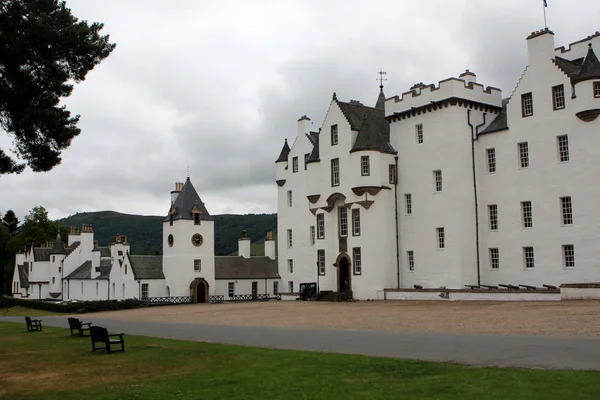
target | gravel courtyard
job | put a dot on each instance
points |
(568, 318)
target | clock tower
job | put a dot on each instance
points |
(188, 246)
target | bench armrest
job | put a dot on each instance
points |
(116, 334)
(86, 323)
(36, 320)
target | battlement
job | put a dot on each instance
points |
(578, 49)
(422, 95)
(577, 44)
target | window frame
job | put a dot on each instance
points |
(419, 133)
(493, 217)
(524, 161)
(334, 135)
(440, 238)
(568, 256)
(321, 262)
(306, 160)
(558, 91)
(313, 235)
(145, 292)
(365, 166)
(290, 266)
(562, 147)
(291, 286)
(294, 164)
(343, 221)
(356, 222)
(356, 261)
(290, 241)
(275, 288)
(491, 160)
(407, 203)
(596, 89)
(392, 175)
(438, 183)
(526, 214)
(320, 226)
(528, 259)
(527, 109)
(566, 211)
(289, 199)
(197, 265)
(231, 289)
(494, 254)
(410, 260)
(335, 172)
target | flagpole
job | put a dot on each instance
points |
(544, 7)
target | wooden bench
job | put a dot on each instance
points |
(550, 287)
(528, 287)
(79, 328)
(472, 286)
(490, 286)
(509, 286)
(33, 324)
(101, 335)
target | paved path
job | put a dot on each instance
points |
(523, 351)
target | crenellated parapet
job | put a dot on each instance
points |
(452, 88)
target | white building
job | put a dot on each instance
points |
(188, 267)
(450, 185)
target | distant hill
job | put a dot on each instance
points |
(144, 232)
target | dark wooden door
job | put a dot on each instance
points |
(254, 290)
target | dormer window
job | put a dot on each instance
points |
(197, 219)
(196, 213)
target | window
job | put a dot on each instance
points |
(441, 238)
(356, 222)
(289, 238)
(231, 289)
(596, 89)
(295, 164)
(343, 214)
(96, 288)
(437, 178)
(171, 220)
(54, 280)
(491, 160)
(562, 143)
(566, 210)
(568, 256)
(493, 214)
(494, 258)
(289, 198)
(125, 269)
(291, 286)
(392, 174)
(196, 218)
(527, 104)
(334, 135)
(419, 133)
(197, 265)
(320, 226)
(120, 252)
(53, 259)
(408, 204)
(81, 287)
(410, 255)
(526, 214)
(312, 235)
(558, 97)
(275, 288)
(123, 291)
(365, 167)
(321, 261)
(144, 290)
(290, 266)
(356, 261)
(528, 257)
(306, 160)
(335, 172)
(114, 291)
(523, 155)
(59, 269)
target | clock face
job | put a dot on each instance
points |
(197, 239)
(170, 240)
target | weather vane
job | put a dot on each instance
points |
(381, 78)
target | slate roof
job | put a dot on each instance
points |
(186, 200)
(285, 151)
(146, 267)
(314, 154)
(84, 271)
(59, 247)
(104, 251)
(23, 277)
(41, 254)
(230, 267)
(105, 267)
(380, 100)
(72, 247)
(499, 123)
(580, 70)
(373, 129)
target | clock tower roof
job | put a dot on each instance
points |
(188, 201)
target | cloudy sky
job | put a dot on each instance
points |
(219, 85)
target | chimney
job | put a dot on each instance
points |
(95, 245)
(540, 47)
(270, 246)
(118, 238)
(468, 77)
(304, 125)
(124, 239)
(175, 193)
(244, 245)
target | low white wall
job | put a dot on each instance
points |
(473, 296)
(289, 296)
(579, 293)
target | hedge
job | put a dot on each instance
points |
(72, 308)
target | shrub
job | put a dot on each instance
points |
(76, 307)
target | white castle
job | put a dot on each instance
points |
(450, 185)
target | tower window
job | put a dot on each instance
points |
(295, 164)
(196, 218)
(365, 167)
(558, 97)
(419, 133)
(334, 135)
(523, 155)
(597, 89)
(527, 104)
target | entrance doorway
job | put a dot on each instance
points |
(344, 276)
(254, 290)
(199, 290)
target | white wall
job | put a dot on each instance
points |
(244, 286)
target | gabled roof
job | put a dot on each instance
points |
(23, 277)
(373, 129)
(84, 271)
(104, 251)
(146, 267)
(105, 267)
(314, 154)
(580, 70)
(499, 123)
(185, 203)
(41, 254)
(285, 151)
(59, 247)
(72, 247)
(230, 267)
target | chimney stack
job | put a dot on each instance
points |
(124, 239)
(118, 238)
(270, 246)
(468, 77)
(175, 193)
(244, 245)
(304, 125)
(95, 245)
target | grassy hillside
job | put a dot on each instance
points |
(144, 232)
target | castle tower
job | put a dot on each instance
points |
(188, 246)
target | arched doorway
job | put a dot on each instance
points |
(199, 290)
(344, 281)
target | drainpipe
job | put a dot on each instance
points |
(474, 133)
(396, 211)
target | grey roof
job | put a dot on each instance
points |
(23, 277)
(105, 267)
(373, 129)
(104, 251)
(580, 69)
(59, 247)
(146, 267)
(380, 100)
(72, 247)
(499, 123)
(185, 203)
(41, 254)
(285, 151)
(314, 154)
(84, 271)
(230, 267)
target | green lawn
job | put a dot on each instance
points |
(52, 365)
(22, 311)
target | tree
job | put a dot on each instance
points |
(11, 222)
(43, 50)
